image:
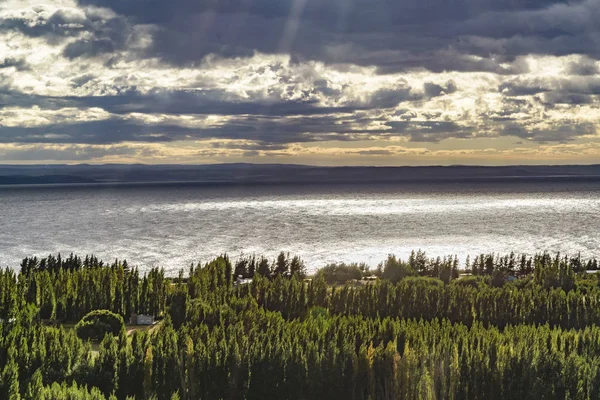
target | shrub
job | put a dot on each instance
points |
(318, 312)
(96, 324)
(476, 282)
(395, 270)
(422, 281)
(340, 273)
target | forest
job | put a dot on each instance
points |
(492, 327)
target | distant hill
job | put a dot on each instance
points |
(43, 179)
(282, 173)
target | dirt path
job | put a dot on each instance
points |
(140, 328)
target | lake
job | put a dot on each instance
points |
(172, 225)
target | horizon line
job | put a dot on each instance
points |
(299, 165)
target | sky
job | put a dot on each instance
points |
(323, 82)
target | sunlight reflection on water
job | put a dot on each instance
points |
(174, 226)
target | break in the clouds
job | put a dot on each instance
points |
(305, 81)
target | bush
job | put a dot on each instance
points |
(476, 282)
(96, 324)
(318, 312)
(395, 270)
(340, 273)
(422, 281)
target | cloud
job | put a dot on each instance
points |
(520, 87)
(286, 92)
(262, 76)
(247, 146)
(197, 102)
(430, 131)
(434, 90)
(565, 97)
(44, 21)
(583, 66)
(389, 98)
(20, 64)
(107, 34)
(561, 131)
(394, 36)
(375, 152)
(88, 48)
(573, 90)
(96, 31)
(70, 152)
(432, 34)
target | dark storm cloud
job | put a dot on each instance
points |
(273, 123)
(92, 132)
(394, 61)
(434, 90)
(570, 90)
(265, 130)
(554, 19)
(510, 109)
(583, 66)
(270, 133)
(520, 87)
(19, 63)
(434, 34)
(12, 98)
(273, 131)
(430, 131)
(392, 36)
(201, 102)
(104, 33)
(89, 48)
(371, 11)
(38, 24)
(563, 131)
(389, 98)
(108, 35)
(559, 97)
(81, 80)
(269, 127)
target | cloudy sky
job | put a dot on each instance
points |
(327, 82)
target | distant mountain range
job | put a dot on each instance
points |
(282, 173)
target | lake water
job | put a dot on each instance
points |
(174, 225)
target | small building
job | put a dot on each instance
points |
(242, 281)
(145, 319)
(365, 282)
(141, 319)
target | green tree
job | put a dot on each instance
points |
(35, 388)
(297, 267)
(282, 265)
(264, 268)
(96, 324)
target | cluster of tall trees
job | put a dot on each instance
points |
(284, 265)
(418, 332)
(557, 270)
(66, 290)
